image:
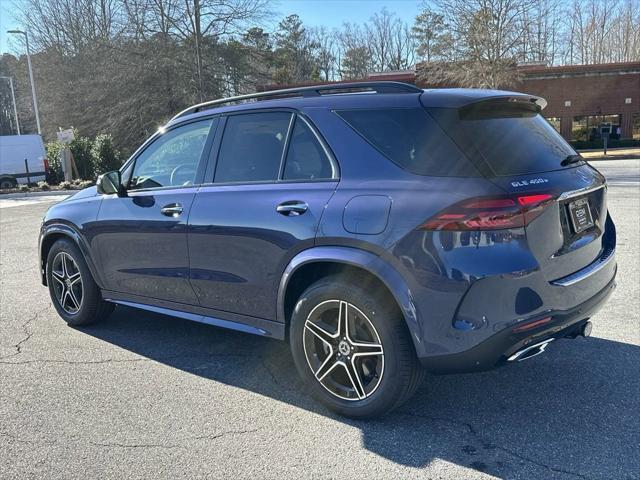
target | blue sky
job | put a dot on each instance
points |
(333, 13)
(330, 13)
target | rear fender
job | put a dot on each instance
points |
(368, 261)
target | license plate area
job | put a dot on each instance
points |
(580, 215)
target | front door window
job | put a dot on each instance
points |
(172, 160)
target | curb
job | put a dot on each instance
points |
(50, 193)
(611, 157)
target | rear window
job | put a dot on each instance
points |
(512, 139)
(411, 139)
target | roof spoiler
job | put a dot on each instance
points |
(530, 101)
(500, 106)
(464, 97)
(539, 103)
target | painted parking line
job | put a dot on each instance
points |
(20, 202)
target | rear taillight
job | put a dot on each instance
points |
(493, 213)
(46, 164)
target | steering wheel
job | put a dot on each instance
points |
(174, 172)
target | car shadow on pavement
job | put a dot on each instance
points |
(572, 412)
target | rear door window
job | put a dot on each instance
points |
(252, 147)
(412, 139)
(306, 158)
(512, 139)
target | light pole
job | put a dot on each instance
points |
(33, 85)
(13, 97)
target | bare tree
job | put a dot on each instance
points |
(355, 52)
(486, 36)
(327, 52)
(430, 34)
(542, 25)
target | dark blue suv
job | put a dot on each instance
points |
(382, 229)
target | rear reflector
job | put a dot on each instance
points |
(492, 213)
(530, 325)
(46, 164)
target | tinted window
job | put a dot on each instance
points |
(306, 159)
(172, 159)
(411, 138)
(252, 147)
(512, 139)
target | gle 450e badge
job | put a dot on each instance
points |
(524, 183)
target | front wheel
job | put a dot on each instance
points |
(74, 293)
(352, 349)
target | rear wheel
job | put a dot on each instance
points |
(352, 349)
(74, 293)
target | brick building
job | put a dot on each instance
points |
(579, 97)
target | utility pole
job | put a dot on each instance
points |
(13, 98)
(33, 84)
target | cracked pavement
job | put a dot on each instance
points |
(147, 396)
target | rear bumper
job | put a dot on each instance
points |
(495, 350)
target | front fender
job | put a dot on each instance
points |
(49, 231)
(368, 261)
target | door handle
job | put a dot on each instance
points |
(292, 208)
(171, 210)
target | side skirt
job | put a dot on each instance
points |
(217, 318)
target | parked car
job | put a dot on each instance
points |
(382, 230)
(14, 150)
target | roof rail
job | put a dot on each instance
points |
(310, 91)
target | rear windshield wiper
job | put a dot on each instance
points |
(571, 159)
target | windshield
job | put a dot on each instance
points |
(512, 139)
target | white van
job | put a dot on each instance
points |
(13, 151)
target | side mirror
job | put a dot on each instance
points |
(110, 183)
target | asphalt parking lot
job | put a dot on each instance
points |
(148, 396)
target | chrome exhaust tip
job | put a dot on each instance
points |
(585, 331)
(530, 352)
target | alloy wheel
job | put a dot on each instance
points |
(67, 282)
(343, 350)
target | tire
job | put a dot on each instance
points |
(378, 349)
(7, 183)
(74, 293)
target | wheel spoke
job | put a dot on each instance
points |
(63, 294)
(367, 349)
(57, 275)
(74, 300)
(326, 367)
(319, 332)
(74, 279)
(63, 263)
(57, 279)
(73, 276)
(354, 377)
(343, 320)
(63, 301)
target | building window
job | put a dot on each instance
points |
(588, 127)
(635, 126)
(554, 122)
(579, 130)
